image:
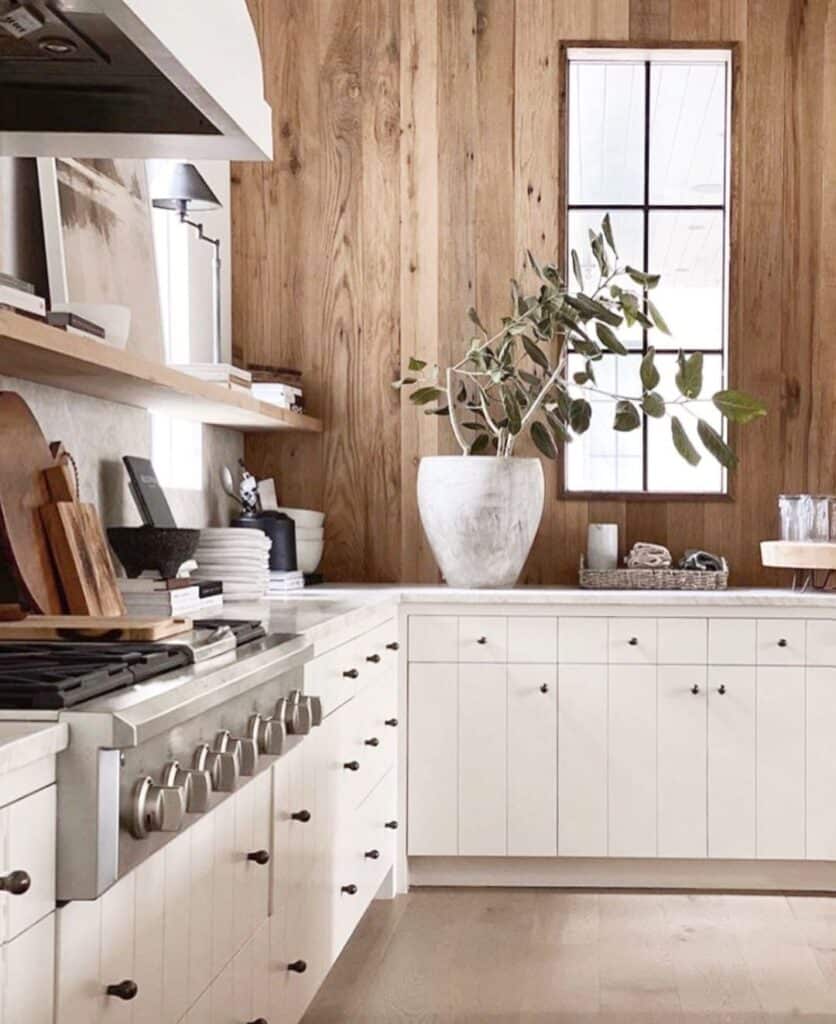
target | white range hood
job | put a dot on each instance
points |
(178, 79)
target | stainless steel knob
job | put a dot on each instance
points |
(247, 750)
(269, 733)
(316, 710)
(299, 717)
(195, 782)
(153, 808)
(222, 767)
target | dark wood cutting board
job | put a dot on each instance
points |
(24, 455)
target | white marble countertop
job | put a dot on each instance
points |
(22, 743)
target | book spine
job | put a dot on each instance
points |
(23, 301)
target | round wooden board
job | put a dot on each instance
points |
(788, 554)
(24, 455)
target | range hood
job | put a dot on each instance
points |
(179, 79)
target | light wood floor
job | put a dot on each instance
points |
(491, 955)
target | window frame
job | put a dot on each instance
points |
(644, 53)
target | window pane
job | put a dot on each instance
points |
(687, 248)
(606, 133)
(687, 133)
(667, 470)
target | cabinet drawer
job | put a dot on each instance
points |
(483, 638)
(27, 843)
(821, 642)
(780, 642)
(335, 677)
(433, 638)
(27, 979)
(682, 641)
(632, 641)
(532, 639)
(732, 641)
(582, 641)
(378, 655)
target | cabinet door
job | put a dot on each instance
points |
(117, 948)
(149, 932)
(223, 885)
(202, 836)
(433, 759)
(682, 824)
(78, 994)
(28, 979)
(780, 763)
(483, 638)
(632, 761)
(532, 760)
(433, 638)
(821, 764)
(28, 844)
(483, 706)
(731, 761)
(532, 639)
(582, 760)
(176, 891)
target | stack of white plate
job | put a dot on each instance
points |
(239, 557)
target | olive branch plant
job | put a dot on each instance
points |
(517, 379)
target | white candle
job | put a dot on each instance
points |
(602, 546)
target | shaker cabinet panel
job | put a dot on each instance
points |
(532, 639)
(632, 761)
(149, 913)
(632, 641)
(78, 992)
(117, 948)
(532, 760)
(202, 835)
(433, 638)
(582, 760)
(433, 759)
(821, 642)
(482, 760)
(483, 638)
(781, 641)
(732, 641)
(223, 885)
(28, 977)
(731, 761)
(27, 843)
(176, 898)
(582, 640)
(682, 641)
(780, 764)
(821, 764)
(681, 762)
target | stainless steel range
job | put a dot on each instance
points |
(159, 733)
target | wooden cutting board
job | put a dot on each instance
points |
(24, 455)
(89, 627)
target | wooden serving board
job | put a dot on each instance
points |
(91, 627)
(789, 554)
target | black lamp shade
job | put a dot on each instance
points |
(181, 187)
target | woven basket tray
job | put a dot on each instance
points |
(653, 579)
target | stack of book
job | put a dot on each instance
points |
(20, 297)
(72, 323)
(283, 582)
(225, 374)
(150, 595)
(278, 386)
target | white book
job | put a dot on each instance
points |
(175, 600)
(22, 300)
(215, 372)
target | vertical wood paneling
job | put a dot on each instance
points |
(366, 240)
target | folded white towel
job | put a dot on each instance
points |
(648, 556)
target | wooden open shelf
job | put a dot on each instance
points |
(33, 350)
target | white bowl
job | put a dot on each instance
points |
(305, 517)
(308, 554)
(310, 533)
(116, 320)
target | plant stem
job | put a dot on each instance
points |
(454, 423)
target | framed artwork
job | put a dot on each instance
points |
(99, 242)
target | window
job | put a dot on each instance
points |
(648, 142)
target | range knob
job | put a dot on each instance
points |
(195, 782)
(316, 710)
(153, 808)
(222, 766)
(245, 749)
(299, 714)
(269, 734)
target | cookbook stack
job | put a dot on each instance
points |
(148, 594)
(237, 557)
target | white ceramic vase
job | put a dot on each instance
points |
(480, 515)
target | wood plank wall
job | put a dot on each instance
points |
(417, 156)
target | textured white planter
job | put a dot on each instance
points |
(480, 515)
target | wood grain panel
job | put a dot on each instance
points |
(366, 239)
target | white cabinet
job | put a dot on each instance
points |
(433, 759)
(681, 765)
(582, 640)
(116, 949)
(532, 759)
(632, 641)
(482, 760)
(483, 638)
(582, 760)
(433, 638)
(781, 823)
(682, 641)
(781, 641)
(27, 966)
(532, 639)
(632, 761)
(731, 761)
(27, 843)
(821, 764)
(732, 641)
(149, 913)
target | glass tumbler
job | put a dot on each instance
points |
(796, 512)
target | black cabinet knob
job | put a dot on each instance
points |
(391, 824)
(392, 722)
(16, 883)
(259, 1020)
(721, 689)
(301, 816)
(482, 640)
(633, 641)
(695, 689)
(372, 854)
(259, 857)
(394, 646)
(349, 890)
(544, 688)
(782, 642)
(351, 673)
(373, 658)
(126, 990)
(352, 766)
(372, 741)
(297, 966)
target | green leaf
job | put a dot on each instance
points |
(627, 416)
(404, 382)
(480, 444)
(596, 243)
(640, 277)
(581, 378)
(535, 354)
(647, 371)
(715, 445)
(586, 347)
(654, 405)
(512, 411)
(576, 269)
(738, 406)
(543, 439)
(423, 395)
(559, 428)
(443, 411)
(689, 375)
(606, 229)
(657, 318)
(608, 339)
(580, 413)
(530, 378)
(416, 365)
(682, 443)
(538, 270)
(591, 308)
(474, 319)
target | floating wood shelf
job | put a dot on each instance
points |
(35, 351)
(785, 554)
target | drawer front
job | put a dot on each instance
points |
(378, 655)
(632, 641)
(27, 980)
(483, 638)
(821, 642)
(361, 763)
(781, 642)
(433, 638)
(27, 843)
(532, 639)
(732, 641)
(335, 676)
(582, 641)
(682, 641)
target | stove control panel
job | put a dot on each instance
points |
(153, 808)
(222, 766)
(196, 783)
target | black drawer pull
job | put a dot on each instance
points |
(301, 816)
(721, 689)
(126, 990)
(372, 854)
(261, 857)
(372, 741)
(695, 689)
(544, 688)
(352, 766)
(16, 883)
(391, 824)
(297, 966)
(349, 890)
(782, 642)
(351, 673)
(394, 646)
(633, 641)
(393, 722)
(482, 640)
(259, 1020)
(373, 658)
